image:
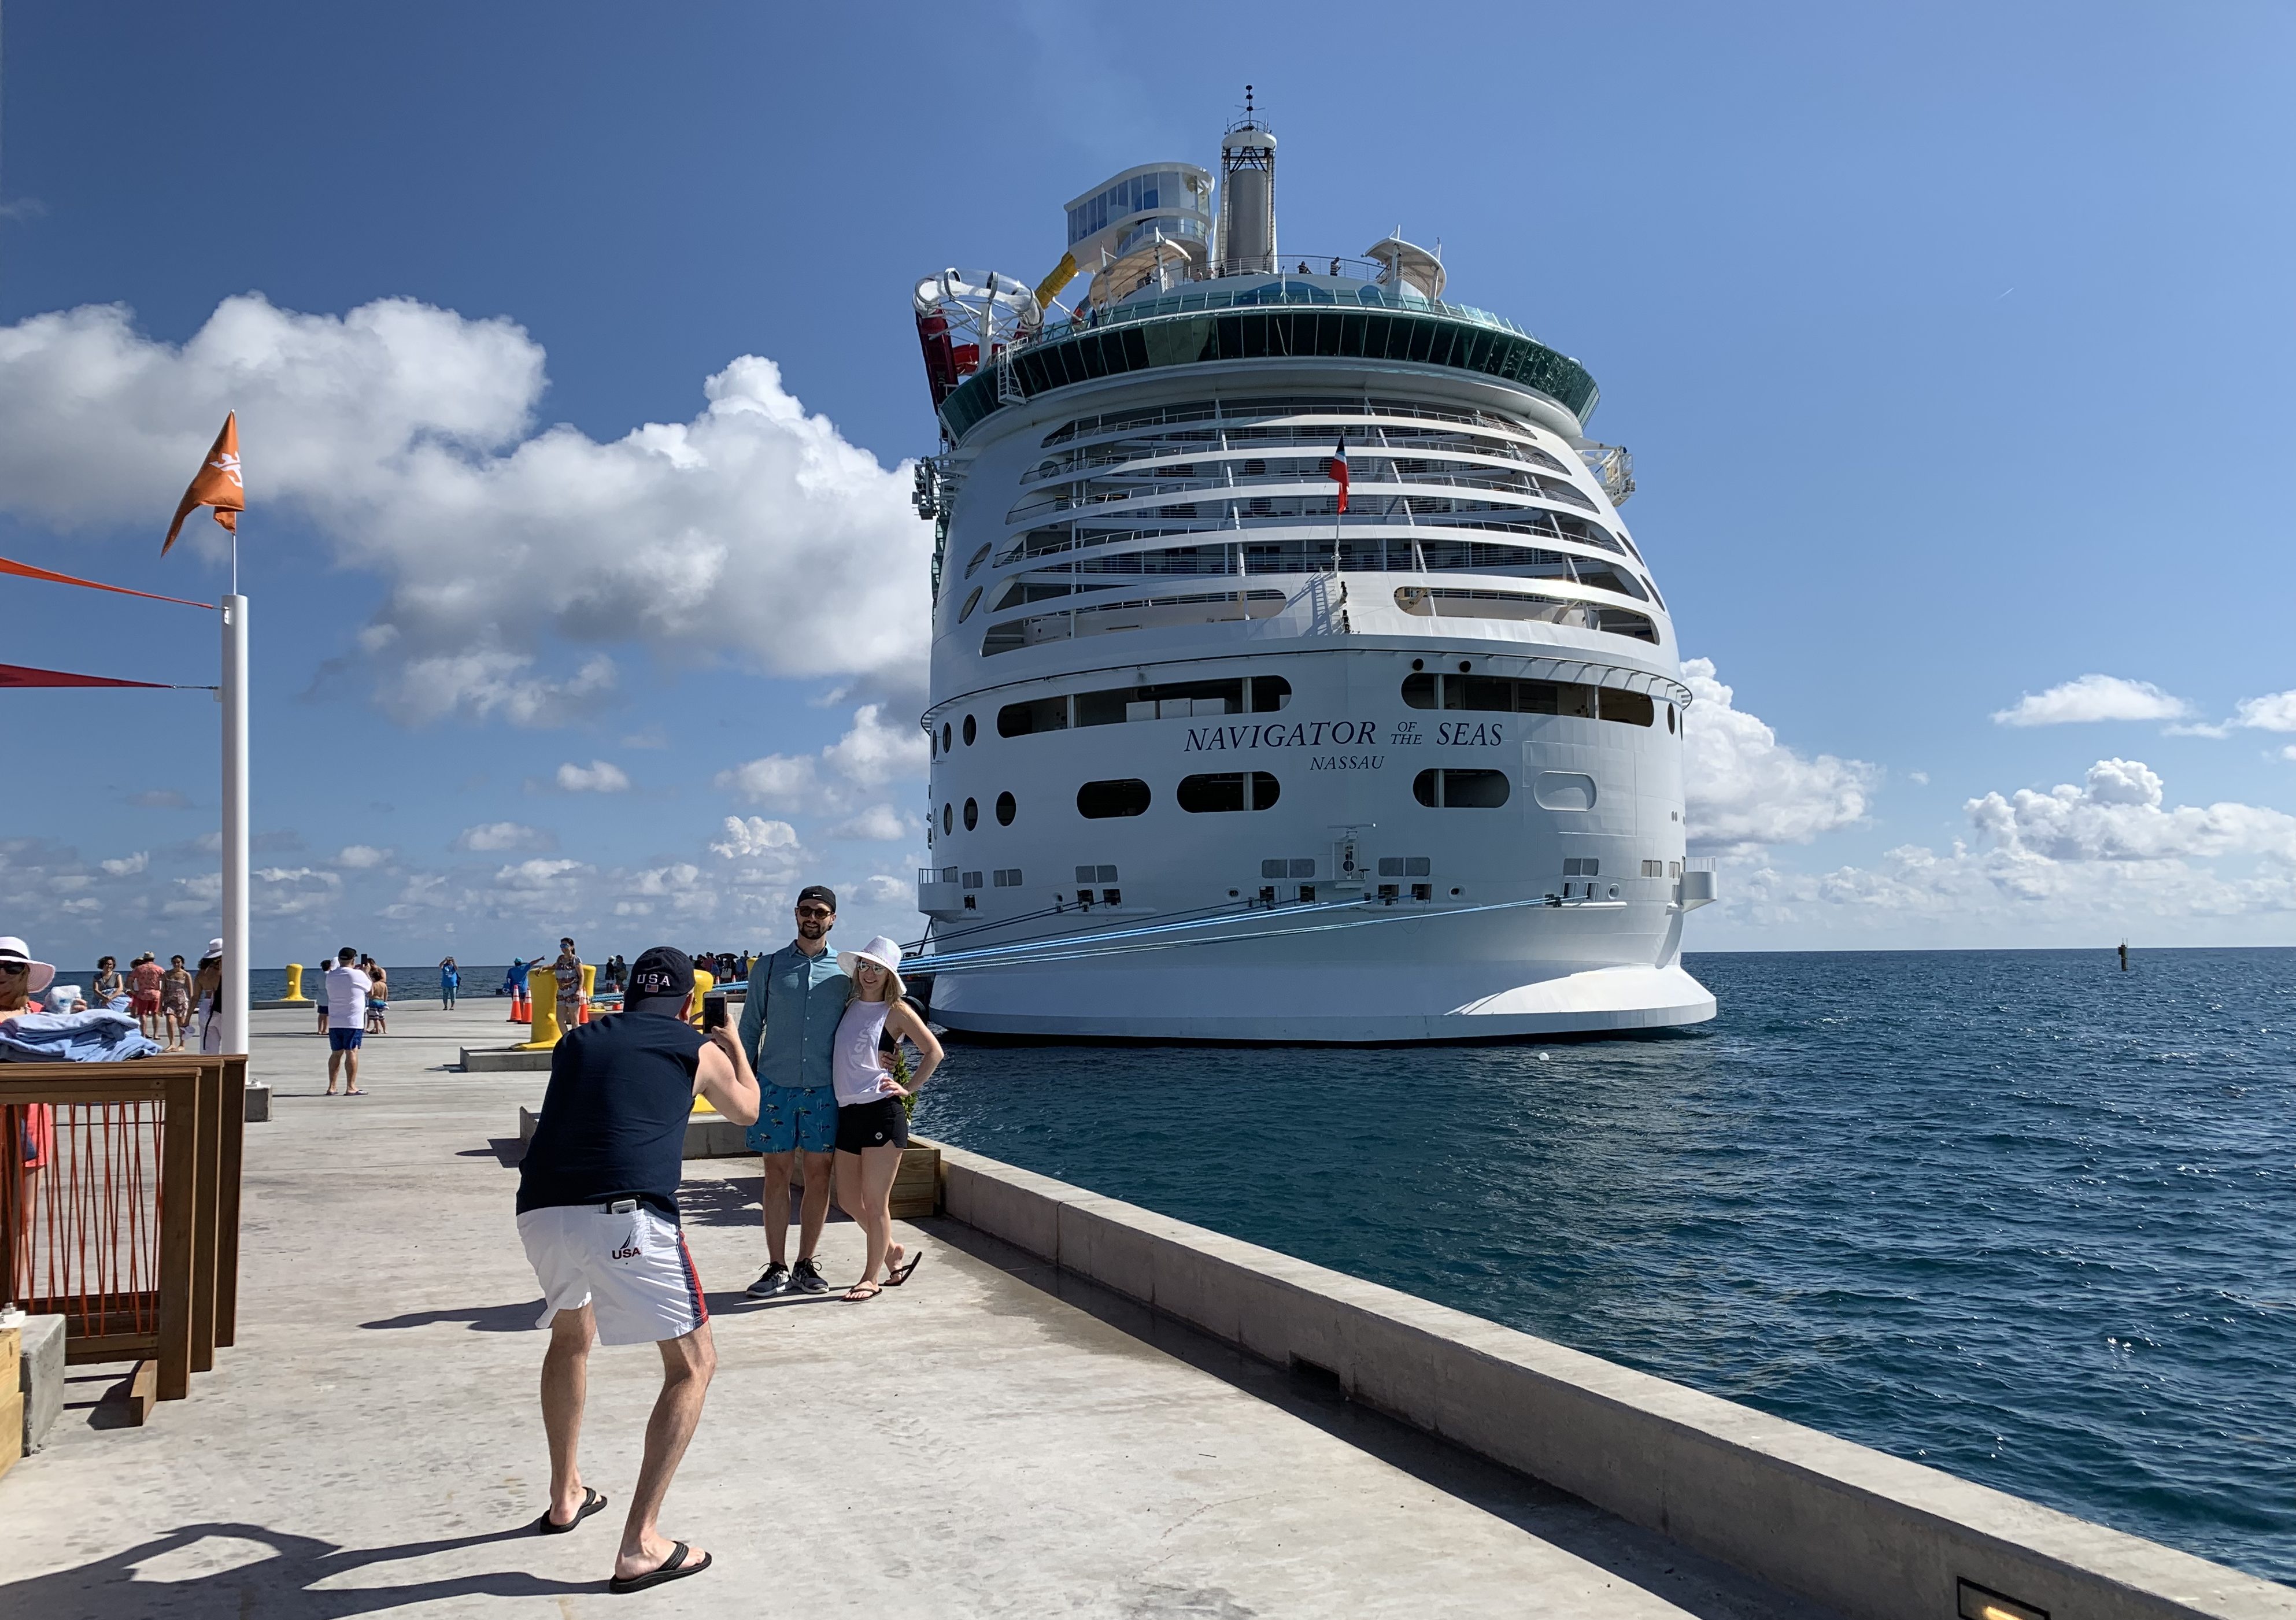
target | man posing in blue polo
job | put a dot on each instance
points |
(789, 1024)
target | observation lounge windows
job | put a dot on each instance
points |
(1503, 695)
(1167, 701)
(1442, 602)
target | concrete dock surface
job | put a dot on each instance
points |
(994, 1438)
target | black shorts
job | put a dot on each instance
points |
(881, 1123)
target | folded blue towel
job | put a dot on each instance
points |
(96, 1036)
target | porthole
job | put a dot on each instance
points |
(972, 601)
(1464, 665)
(1669, 719)
(1419, 663)
(970, 730)
(1228, 791)
(947, 819)
(1006, 809)
(1099, 800)
(978, 558)
(972, 814)
(1461, 790)
(946, 742)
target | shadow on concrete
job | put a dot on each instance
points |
(1643, 1558)
(290, 1581)
(508, 1151)
(737, 1200)
(482, 1319)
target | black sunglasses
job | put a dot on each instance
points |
(815, 911)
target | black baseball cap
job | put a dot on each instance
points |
(818, 891)
(664, 971)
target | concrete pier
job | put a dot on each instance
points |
(1006, 1435)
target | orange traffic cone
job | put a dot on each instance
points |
(583, 1015)
(514, 994)
(525, 1013)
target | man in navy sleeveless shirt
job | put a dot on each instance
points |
(598, 1210)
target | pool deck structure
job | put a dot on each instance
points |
(997, 1438)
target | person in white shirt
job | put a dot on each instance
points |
(347, 992)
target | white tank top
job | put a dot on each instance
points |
(856, 1070)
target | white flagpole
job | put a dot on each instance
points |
(233, 999)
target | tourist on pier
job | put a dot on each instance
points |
(378, 996)
(789, 1026)
(872, 1126)
(207, 995)
(450, 978)
(175, 1001)
(145, 979)
(568, 970)
(109, 987)
(597, 1212)
(347, 992)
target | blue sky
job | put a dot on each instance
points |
(1951, 345)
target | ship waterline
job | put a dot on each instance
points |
(1293, 676)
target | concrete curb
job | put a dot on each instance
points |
(1870, 1534)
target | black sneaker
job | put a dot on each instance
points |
(775, 1279)
(807, 1279)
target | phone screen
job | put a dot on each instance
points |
(713, 1012)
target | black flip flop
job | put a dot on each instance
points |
(592, 1501)
(673, 1568)
(900, 1274)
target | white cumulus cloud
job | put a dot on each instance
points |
(871, 754)
(361, 857)
(753, 530)
(879, 822)
(2117, 814)
(598, 776)
(2274, 713)
(753, 836)
(127, 866)
(1745, 788)
(489, 837)
(2094, 697)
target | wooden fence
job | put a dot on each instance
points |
(128, 1222)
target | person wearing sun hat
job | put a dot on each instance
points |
(22, 977)
(873, 1127)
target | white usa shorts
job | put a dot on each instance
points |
(630, 1265)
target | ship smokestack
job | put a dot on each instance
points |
(1247, 198)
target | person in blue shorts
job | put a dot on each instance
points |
(347, 993)
(788, 1027)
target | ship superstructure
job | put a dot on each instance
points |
(1294, 676)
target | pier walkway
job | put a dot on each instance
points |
(994, 1438)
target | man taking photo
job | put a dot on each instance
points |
(788, 1022)
(598, 1211)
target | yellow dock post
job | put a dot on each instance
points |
(295, 984)
(544, 985)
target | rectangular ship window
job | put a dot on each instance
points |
(1087, 874)
(1112, 897)
(1416, 866)
(972, 880)
(1303, 869)
(1390, 866)
(1274, 868)
(1108, 875)
(1653, 869)
(1581, 866)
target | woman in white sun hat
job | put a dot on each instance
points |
(872, 1125)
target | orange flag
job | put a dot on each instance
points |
(217, 485)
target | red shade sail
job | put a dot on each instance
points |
(19, 674)
(29, 572)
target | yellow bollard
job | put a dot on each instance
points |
(295, 982)
(543, 984)
(703, 983)
(589, 979)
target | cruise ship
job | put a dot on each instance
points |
(1294, 678)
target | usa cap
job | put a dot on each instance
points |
(664, 971)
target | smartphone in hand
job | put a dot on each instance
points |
(713, 1013)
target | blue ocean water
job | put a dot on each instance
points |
(2014, 1214)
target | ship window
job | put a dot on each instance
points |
(1427, 601)
(972, 601)
(1304, 868)
(1653, 869)
(972, 880)
(1006, 808)
(1043, 715)
(1424, 891)
(1111, 896)
(1405, 866)
(1460, 790)
(947, 819)
(1099, 800)
(1391, 891)
(1581, 866)
(978, 558)
(1272, 869)
(1267, 895)
(972, 814)
(1007, 877)
(1492, 693)
(1228, 791)
(946, 740)
(1669, 719)
(970, 731)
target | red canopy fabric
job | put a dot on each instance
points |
(19, 675)
(30, 572)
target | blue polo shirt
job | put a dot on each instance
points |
(790, 1016)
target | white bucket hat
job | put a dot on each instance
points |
(42, 973)
(882, 951)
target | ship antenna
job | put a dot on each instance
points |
(1247, 103)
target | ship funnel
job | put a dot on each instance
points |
(1247, 197)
